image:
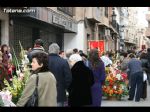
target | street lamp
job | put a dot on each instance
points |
(114, 16)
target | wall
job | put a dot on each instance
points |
(78, 40)
(4, 28)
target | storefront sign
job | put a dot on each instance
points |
(64, 21)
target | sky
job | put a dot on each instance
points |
(142, 11)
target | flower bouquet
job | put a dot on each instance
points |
(18, 82)
(5, 99)
(115, 84)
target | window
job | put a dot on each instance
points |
(106, 12)
(67, 10)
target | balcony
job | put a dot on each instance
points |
(148, 32)
(93, 14)
(148, 17)
(130, 41)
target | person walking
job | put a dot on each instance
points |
(47, 92)
(144, 62)
(3, 73)
(98, 68)
(148, 71)
(5, 55)
(61, 70)
(82, 81)
(136, 78)
(38, 47)
(106, 60)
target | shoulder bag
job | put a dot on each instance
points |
(33, 100)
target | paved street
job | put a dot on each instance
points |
(126, 103)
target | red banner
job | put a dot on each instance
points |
(101, 46)
(93, 44)
(97, 44)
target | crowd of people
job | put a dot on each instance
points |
(74, 77)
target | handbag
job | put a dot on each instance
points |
(33, 100)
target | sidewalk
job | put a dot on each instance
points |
(125, 103)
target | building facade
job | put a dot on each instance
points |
(4, 27)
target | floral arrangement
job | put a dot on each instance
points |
(18, 82)
(5, 98)
(115, 84)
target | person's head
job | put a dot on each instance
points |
(143, 56)
(54, 48)
(131, 55)
(125, 54)
(80, 51)
(75, 50)
(29, 49)
(94, 57)
(68, 53)
(38, 43)
(4, 48)
(40, 62)
(84, 56)
(74, 58)
(62, 54)
(148, 50)
(107, 53)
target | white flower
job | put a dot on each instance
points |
(115, 87)
(118, 76)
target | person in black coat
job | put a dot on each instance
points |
(148, 71)
(144, 62)
(61, 70)
(82, 81)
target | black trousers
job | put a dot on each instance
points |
(136, 84)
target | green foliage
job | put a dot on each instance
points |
(17, 86)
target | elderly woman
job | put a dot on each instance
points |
(46, 84)
(82, 81)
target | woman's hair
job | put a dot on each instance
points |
(143, 56)
(2, 47)
(94, 58)
(131, 55)
(42, 58)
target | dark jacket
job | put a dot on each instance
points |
(60, 68)
(35, 50)
(80, 88)
(144, 64)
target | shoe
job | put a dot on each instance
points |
(130, 99)
(137, 100)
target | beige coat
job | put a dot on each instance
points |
(46, 90)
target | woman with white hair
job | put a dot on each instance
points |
(82, 81)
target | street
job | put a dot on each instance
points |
(125, 103)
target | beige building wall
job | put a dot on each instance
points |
(4, 17)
